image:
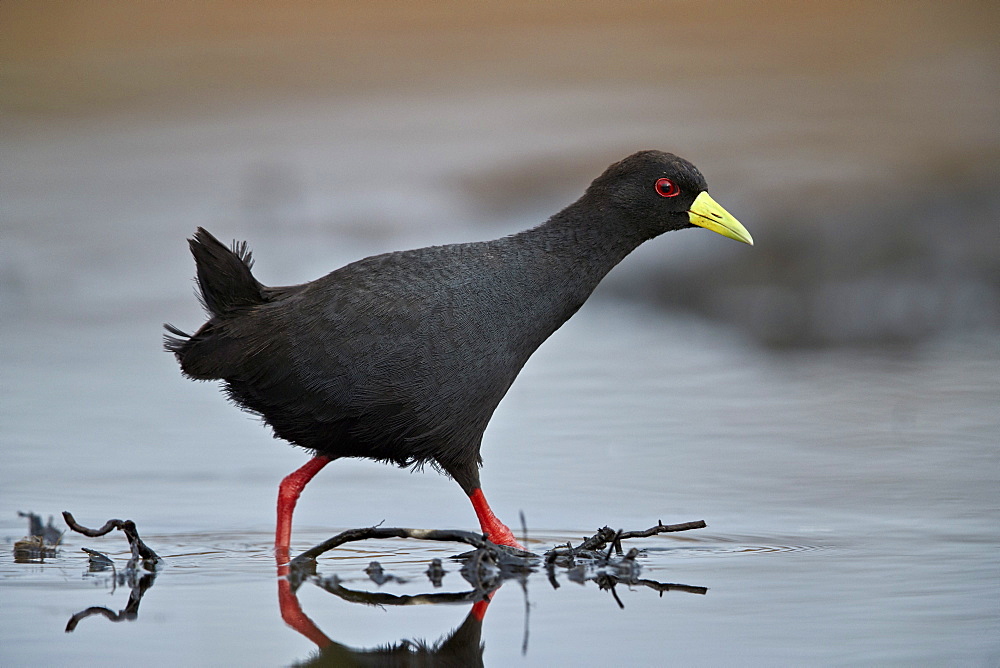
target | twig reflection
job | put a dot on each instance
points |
(139, 572)
(138, 583)
(486, 568)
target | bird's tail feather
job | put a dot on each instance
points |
(225, 283)
(176, 341)
(225, 287)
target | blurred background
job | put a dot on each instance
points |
(859, 141)
(827, 399)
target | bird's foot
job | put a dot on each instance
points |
(496, 531)
(500, 534)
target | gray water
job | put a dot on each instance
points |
(851, 493)
(851, 503)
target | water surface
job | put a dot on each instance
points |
(850, 500)
(851, 493)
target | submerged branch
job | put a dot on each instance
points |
(663, 528)
(501, 553)
(606, 537)
(487, 565)
(141, 553)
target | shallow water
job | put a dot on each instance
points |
(850, 500)
(851, 495)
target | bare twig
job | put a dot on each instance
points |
(663, 528)
(669, 586)
(141, 553)
(606, 537)
(502, 554)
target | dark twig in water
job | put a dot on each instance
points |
(488, 565)
(138, 581)
(607, 583)
(502, 554)
(662, 528)
(669, 586)
(606, 537)
(141, 553)
(129, 613)
(485, 568)
(98, 560)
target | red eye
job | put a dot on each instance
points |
(667, 188)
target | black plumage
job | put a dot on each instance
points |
(404, 357)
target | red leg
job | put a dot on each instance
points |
(291, 612)
(495, 530)
(479, 607)
(288, 494)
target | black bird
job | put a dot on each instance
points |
(403, 357)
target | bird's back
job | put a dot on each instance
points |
(401, 357)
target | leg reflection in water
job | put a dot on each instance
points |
(463, 647)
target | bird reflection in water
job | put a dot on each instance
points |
(485, 569)
(462, 647)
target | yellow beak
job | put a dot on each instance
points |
(706, 212)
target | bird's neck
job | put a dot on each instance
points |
(569, 254)
(585, 241)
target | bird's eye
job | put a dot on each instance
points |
(667, 188)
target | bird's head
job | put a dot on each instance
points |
(668, 192)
